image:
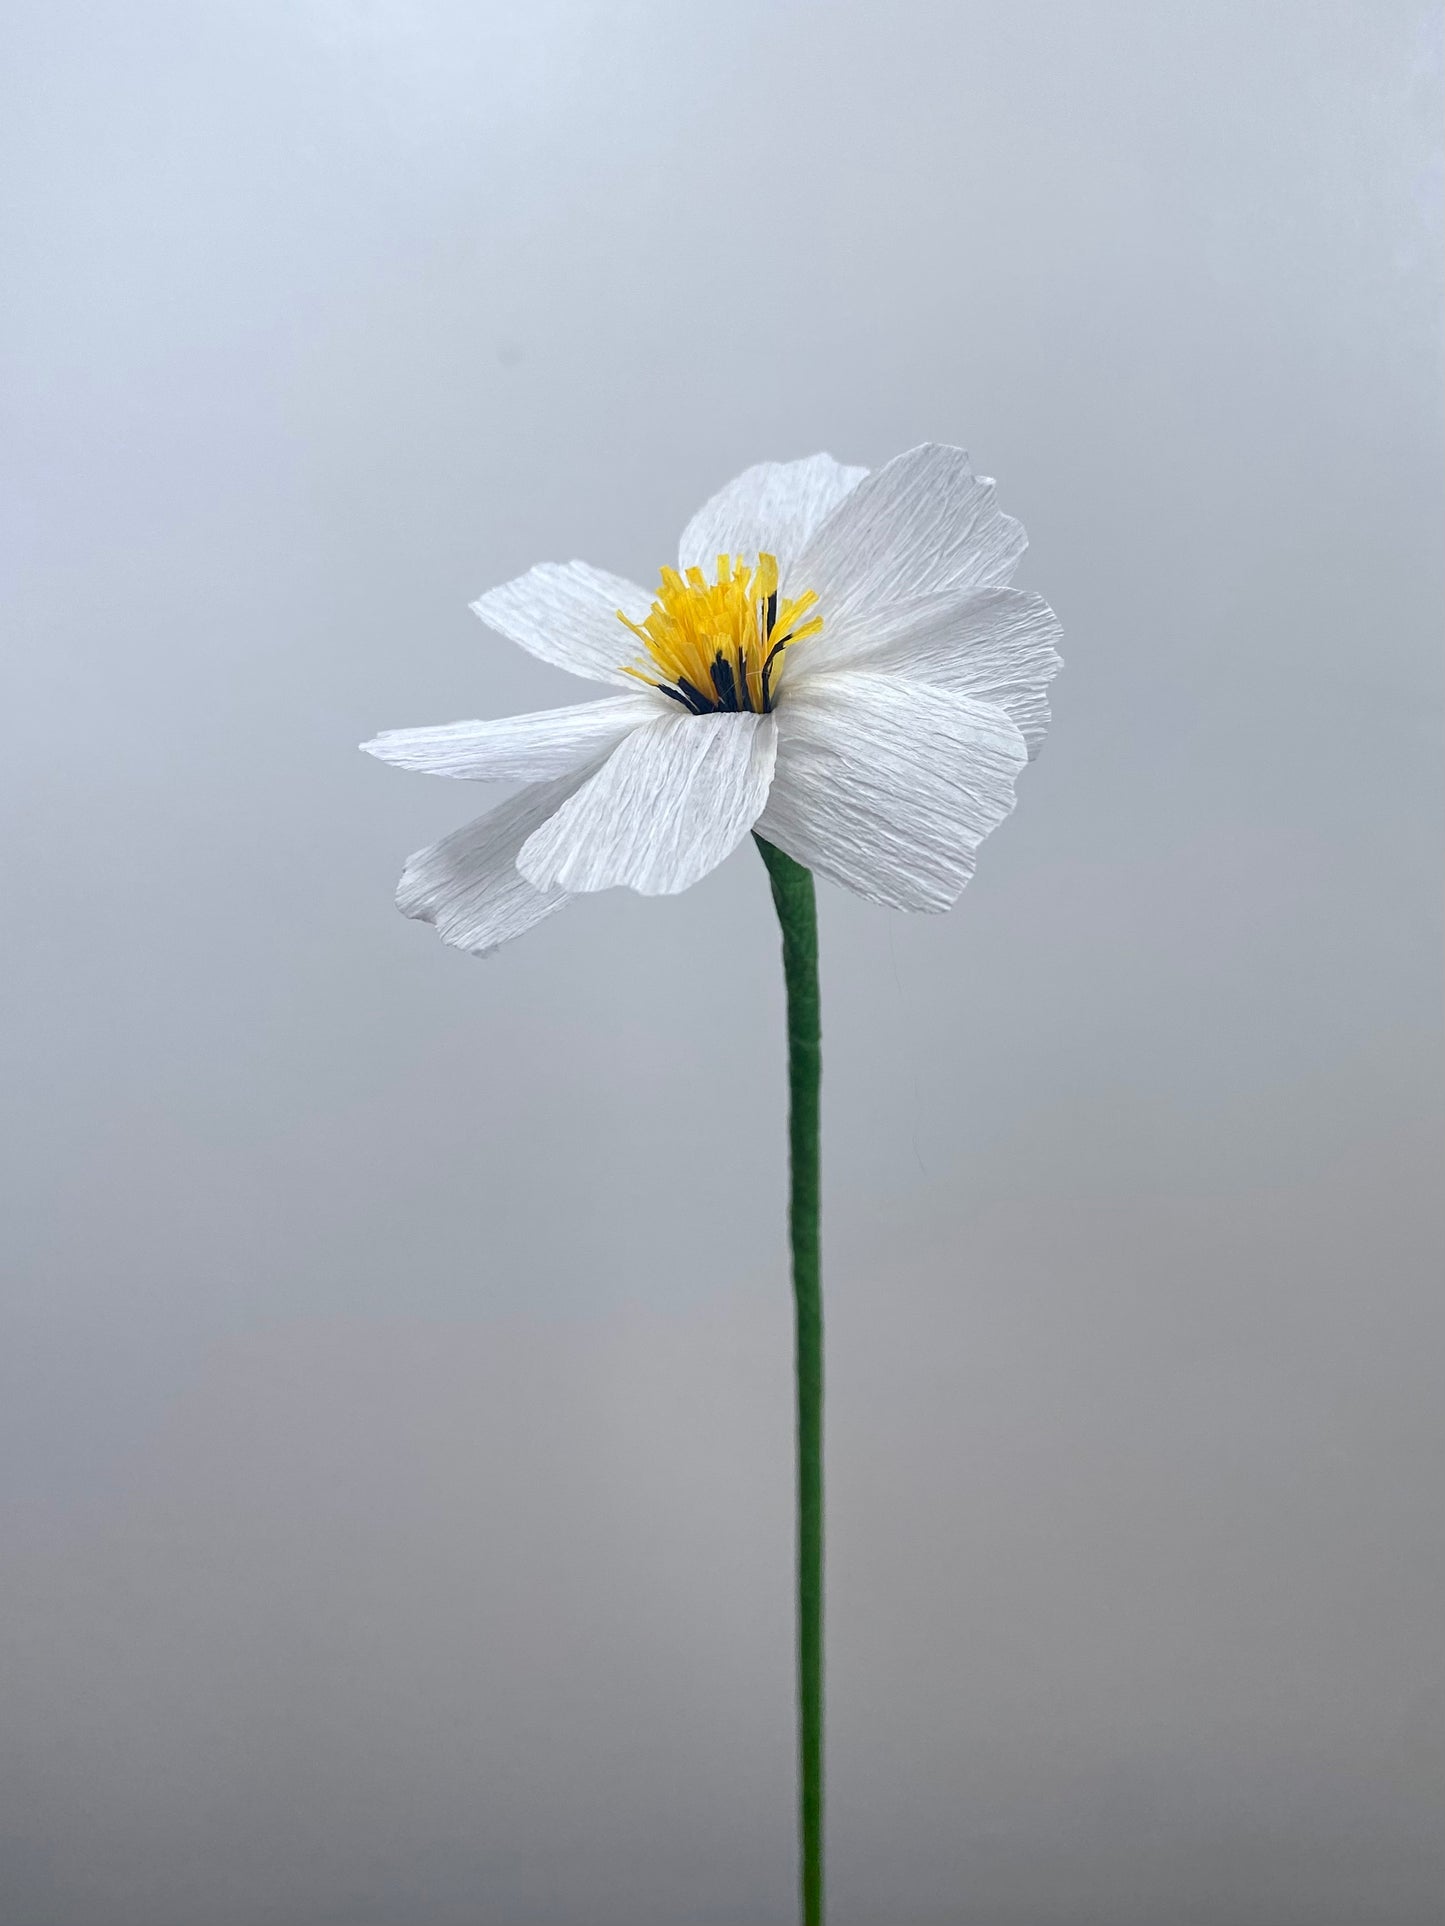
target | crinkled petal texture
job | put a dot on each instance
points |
(665, 808)
(888, 787)
(892, 752)
(565, 613)
(922, 526)
(772, 508)
(996, 644)
(528, 748)
(469, 885)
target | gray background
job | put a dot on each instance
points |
(395, 1358)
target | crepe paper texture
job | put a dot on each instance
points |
(837, 665)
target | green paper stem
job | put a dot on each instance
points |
(798, 917)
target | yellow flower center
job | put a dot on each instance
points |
(719, 645)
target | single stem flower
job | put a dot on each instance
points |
(838, 665)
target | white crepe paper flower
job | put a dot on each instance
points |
(837, 663)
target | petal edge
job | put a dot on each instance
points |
(670, 803)
(565, 613)
(889, 788)
(773, 506)
(527, 748)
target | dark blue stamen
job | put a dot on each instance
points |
(745, 687)
(700, 704)
(773, 653)
(695, 704)
(725, 683)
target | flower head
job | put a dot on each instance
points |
(837, 661)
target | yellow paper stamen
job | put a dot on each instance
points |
(720, 645)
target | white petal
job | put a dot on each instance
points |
(664, 809)
(996, 644)
(566, 613)
(517, 748)
(889, 788)
(468, 885)
(923, 525)
(771, 508)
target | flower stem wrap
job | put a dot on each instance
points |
(798, 916)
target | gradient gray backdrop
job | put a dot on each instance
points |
(396, 1387)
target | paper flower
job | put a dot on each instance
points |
(837, 663)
